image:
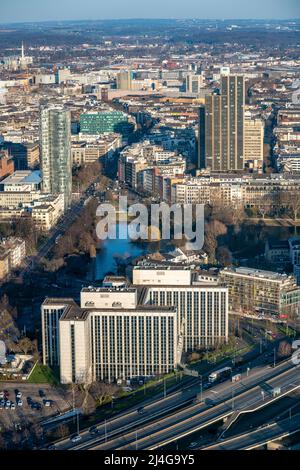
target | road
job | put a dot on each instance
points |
(221, 396)
(264, 434)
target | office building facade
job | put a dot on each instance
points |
(202, 308)
(224, 125)
(113, 338)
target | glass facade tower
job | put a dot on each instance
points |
(55, 141)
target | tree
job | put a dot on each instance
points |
(101, 391)
(284, 349)
(224, 256)
(291, 200)
(25, 345)
(62, 431)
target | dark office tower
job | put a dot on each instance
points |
(224, 123)
(201, 138)
(55, 141)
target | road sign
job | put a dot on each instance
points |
(191, 372)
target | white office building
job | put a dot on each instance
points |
(202, 306)
(111, 337)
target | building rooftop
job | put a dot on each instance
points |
(251, 272)
(23, 177)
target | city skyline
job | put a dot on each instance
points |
(18, 11)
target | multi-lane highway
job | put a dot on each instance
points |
(165, 424)
(263, 435)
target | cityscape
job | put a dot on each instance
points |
(149, 230)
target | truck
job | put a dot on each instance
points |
(219, 375)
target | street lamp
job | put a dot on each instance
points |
(201, 388)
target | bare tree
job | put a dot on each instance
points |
(102, 392)
(284, 349)
(25, 345)
(291, 200)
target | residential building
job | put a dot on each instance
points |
(12, 253)
(256, 292)
(25, 155)
(253, 143)
(194, 83)
(6, 164)
(124, 80)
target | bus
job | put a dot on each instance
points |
(219, 374)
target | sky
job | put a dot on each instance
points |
(47, 10)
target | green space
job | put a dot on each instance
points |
(42, 374)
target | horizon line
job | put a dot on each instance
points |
(143, 19)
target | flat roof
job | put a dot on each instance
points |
(23, 177)
(271, 275)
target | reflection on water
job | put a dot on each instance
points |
(111, 250)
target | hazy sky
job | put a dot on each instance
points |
(40, 10)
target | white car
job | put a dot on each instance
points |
(76, 438)
(19, 394)
(1, 394)
(8, 403)
(12, 406)
(20, 403)
(47, 403)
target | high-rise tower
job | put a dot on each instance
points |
(224, 125)
(55, 141)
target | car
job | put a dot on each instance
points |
(8, 403)
(19, 395)
(76, 438)
(1, 406)
(93, 430)
(20, 403)
(51, 447)
(29, 400)
(1, 394)
(13, 406)
(42, 393)
(193, 445)
(140, 410)
(7, 407)
(47, 403)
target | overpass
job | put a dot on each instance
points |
(261, 436)
(198, 416)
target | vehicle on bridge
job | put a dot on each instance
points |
(220, 374)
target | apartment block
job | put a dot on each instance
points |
(255, 292)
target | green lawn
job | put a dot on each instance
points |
(43, 374)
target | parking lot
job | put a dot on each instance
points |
(32, 404)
